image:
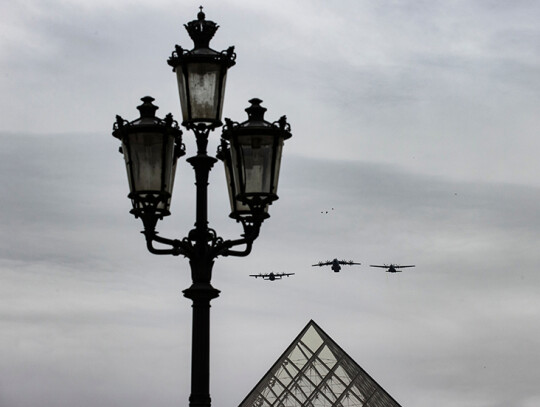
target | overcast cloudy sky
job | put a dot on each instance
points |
(417, 121)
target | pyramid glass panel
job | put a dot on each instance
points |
(299, 393)
(312, 339)
(305, 384)
(327, 357)
(298, 358)
(315, 372)
(341, 377)
(350, 400)
(320, 368)
(284, 375)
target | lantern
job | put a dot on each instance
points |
(256, 146)
(201, 74)
(151, 148)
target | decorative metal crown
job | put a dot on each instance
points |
(201, 31)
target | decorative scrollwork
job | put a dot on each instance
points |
(229, 54)
(218, 241)
(119, 123)
(282, 124)
(180, 54)
(149, 205)
(169, 121)
(222, 150)
(212, 234)
(179, 149)
(179, 51)
(229, 124)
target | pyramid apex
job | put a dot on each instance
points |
(315, 367)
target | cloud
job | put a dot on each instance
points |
(88, 305)
(415, 121)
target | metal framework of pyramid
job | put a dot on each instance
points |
(315, 372)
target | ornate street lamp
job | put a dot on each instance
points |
(151, 148)
(201, 74)
(256, 146)
(251, 152)
(252, 160)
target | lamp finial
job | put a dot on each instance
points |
(147, 109)
(201, 30)
(255, 111)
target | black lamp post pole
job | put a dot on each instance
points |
(201, 292)
(151, 148)
(200, 352)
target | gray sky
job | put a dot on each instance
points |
(415, 120)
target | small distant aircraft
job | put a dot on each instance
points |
(336, 264)
(391, 268)
(272, 276)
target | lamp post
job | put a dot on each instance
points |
(250, 151)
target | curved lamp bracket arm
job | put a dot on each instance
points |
(178, 247)
(251, 228)
(237, 253)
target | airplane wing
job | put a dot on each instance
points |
(322, 263)
(287, 274)
(255, 275)
(347, 262)
(382, 267)
(402, 267)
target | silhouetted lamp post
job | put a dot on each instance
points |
(251, 153)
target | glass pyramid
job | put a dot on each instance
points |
(315, 372)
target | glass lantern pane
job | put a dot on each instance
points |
(149, 162)
(279, 150)
(256, 153)
(127, 159)
(169, 178)
(182, 90)
(204, 83)
(237, 206)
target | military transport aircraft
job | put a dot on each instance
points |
(391, 268)
(336, 264)
(272, 276)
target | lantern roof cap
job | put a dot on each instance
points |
(148, 112)
(256, 113)
(257, 123)
(147, 109)
(147, 121)
(201, 32)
